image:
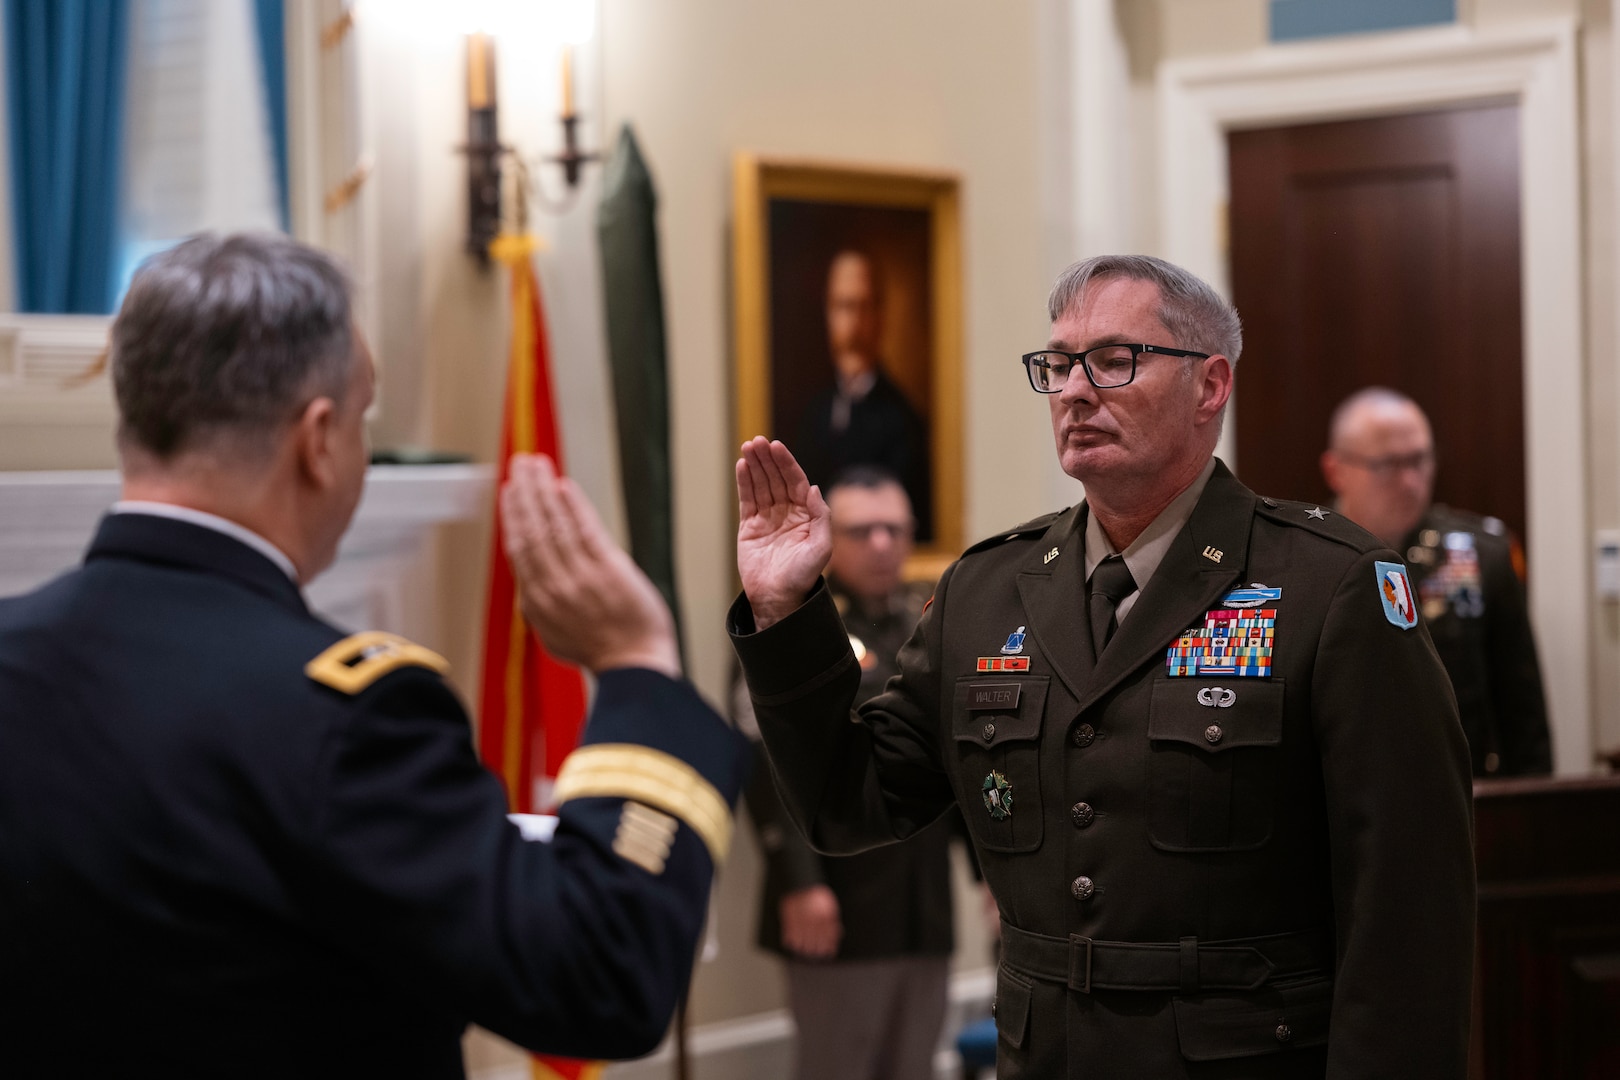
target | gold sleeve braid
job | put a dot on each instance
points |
(651, 777)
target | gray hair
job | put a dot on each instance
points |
(228, 337)
(1195, 314)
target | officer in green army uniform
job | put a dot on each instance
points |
(1208, 756)
(1380, 463)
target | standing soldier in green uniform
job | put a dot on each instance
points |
(867, 938)
(1208, 756)
(1380, 463)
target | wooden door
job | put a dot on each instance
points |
(1382, 251)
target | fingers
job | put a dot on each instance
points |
(794, 483)
(746, 506)
(759, 486)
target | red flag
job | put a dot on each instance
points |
(548, 1068)
(533, 705)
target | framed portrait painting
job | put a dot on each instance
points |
(848, 314)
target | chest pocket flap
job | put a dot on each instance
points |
(991, 711)
(1217, 715)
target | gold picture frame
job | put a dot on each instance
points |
(792, 219)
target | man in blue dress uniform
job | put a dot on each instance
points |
(235, 840)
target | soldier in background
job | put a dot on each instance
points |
(1466, 570)
(867, 938)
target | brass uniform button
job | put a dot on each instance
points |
(992, 1006)
(1082, 814)
(1284, 1033)
(1083, 735)
(1213, 734)
(1082, 888)
(989, 732)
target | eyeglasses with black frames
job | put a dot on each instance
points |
(1106, 366)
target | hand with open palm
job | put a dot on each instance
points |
(783, 534)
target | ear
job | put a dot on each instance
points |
(1332, 471)
(315, 443)
(1214, 387)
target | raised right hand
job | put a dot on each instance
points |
(783, 535)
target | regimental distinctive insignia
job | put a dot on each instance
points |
(1003, 663)
(1395, 592)
(1317, 512)
(1015, 642)
(1253, 596)
(1456, 581)
(1229, 643)
(998, 796)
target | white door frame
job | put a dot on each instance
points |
(1534, 64)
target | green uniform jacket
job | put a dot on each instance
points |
(1473, 602)
(1198, 876)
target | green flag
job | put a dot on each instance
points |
(627, 231)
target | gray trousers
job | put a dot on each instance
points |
(868, 1019)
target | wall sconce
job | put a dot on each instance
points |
(485, 151)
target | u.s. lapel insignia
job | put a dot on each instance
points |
(1015, 642)
(1395, 592)
(1050, 555)
(998, 796)
(1253, 596)
(1230, 642)
(1214, 554)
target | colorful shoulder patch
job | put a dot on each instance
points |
(1395, 592)
(361, 659)
(1230, 642)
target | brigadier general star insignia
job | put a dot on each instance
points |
(1317, 512)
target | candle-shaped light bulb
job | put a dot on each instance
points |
(568, 80)
(480, 71)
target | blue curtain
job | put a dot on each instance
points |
(273, 59)
(65, 62)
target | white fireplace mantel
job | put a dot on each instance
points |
(47, 519)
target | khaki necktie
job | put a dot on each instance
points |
(1111, 582)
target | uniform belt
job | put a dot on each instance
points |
(1189, 966)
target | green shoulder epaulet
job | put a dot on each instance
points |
(1322, 520)
(1032, 528)
(361, 659)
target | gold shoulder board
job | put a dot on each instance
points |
(361, 659)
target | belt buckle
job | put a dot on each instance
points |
(1083, 987)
